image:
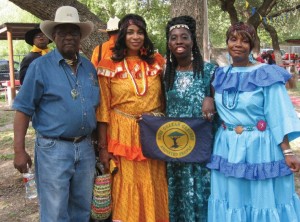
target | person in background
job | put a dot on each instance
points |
(259, 58)
(267, 57)
(61, 94)
(253, 164)
(130, 85)
(187, 84)
(292, 82)
(39, 42)
(105, 50)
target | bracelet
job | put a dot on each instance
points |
(157, 114)
(102, 147)
(289, 154)
(287, 151)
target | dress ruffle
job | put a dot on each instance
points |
(282, 212)
(244, 81)
(258, 171)
(110, 69)
(123, 142)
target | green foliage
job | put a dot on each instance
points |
(218, 22)
(155, 12)
(286, 24)
(20, 47)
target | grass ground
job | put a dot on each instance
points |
(13, 206)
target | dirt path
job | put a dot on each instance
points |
(13, 205)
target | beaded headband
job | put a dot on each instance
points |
(178, 26)
(240, 26)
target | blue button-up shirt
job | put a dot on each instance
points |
(46, 96)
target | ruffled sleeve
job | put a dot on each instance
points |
(248, 80)
(109, 68)
(103, 109)
(280, 113)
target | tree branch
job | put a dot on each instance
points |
(228, 6)
(284, 11)
(262, 11)
(275, 43)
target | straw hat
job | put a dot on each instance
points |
(112, 25)
(66, 15)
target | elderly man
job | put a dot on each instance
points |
(39, 42)
(60, 93)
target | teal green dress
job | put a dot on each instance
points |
(188, 183)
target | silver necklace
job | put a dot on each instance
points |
(74, 92)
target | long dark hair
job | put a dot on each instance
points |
(119, 51)
(171, 65)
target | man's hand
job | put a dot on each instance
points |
(22, 161)
(22, 158)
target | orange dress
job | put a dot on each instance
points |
(139, 191)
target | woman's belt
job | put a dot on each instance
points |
(132, 116)
(135, 116)
(239, 129)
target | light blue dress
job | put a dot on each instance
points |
(188, 183)
(250, 181)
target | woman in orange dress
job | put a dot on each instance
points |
(130, 84)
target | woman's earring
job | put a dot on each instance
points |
(251, 59)
(143, 51)
(170, 57)
(192, 56)
(228, 58)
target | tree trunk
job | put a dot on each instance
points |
(206, 42)
(192, 8)
(45, 10)
(228, 6)
(275, 43)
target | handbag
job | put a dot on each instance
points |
(176, 139)
(101, 202)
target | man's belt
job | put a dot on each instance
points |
(77, 139)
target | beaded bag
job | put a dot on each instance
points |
(101, 203)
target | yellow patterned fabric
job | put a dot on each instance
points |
(139, 188)
(118, 98)
(139, 192)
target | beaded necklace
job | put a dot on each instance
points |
(227, 100)
(144, 79)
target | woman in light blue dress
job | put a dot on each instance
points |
(187, 81)
(252, 164)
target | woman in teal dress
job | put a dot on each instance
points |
(187, 84)
(252, 163)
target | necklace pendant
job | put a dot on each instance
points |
(74, 94)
